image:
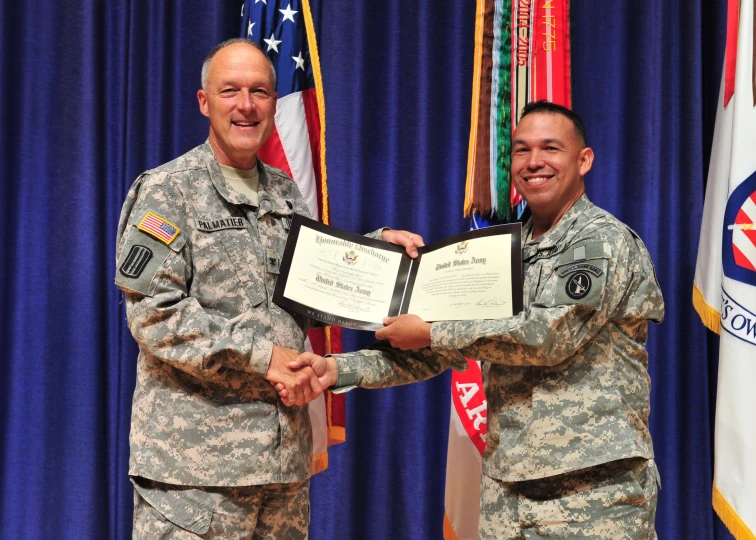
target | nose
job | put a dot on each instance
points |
(535, 159)
(245, 103)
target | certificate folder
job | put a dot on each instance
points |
(348, 280)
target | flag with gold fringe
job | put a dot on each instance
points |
(522, 54)
(724, 289)
(286, 32)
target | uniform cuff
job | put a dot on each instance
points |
(348, 373)
(378, 233)
(444, 342)
(259, 360)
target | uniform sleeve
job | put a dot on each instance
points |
(382, 366)
(155, 276)
(377, 234)
(555, 327)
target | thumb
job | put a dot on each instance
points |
(324, 382)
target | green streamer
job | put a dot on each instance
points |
(504, 118)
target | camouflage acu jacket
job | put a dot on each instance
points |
(198, 265)
(566, 380)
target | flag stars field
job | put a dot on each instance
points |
(273, 43)
(299, 60)
(288, 14)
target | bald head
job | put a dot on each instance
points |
(229, 42)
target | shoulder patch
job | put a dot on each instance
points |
(136, 260)
(140, 259)
(578, 285)
(582, 266)
(160, 228)
(581, 273)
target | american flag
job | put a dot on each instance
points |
(286, 32)
(158, 227)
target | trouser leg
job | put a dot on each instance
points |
(269, 511)
(615, 501)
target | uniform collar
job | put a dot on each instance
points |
(271, 195)
(551, 238)
(270, 198)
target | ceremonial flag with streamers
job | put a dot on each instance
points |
(286, 32)
(724, 290)
(522, 54)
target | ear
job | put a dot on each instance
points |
(202, 99)
(585, 160)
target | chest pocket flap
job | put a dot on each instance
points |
(243, 252)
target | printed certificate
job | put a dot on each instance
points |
(349, 280)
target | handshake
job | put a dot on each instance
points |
(300, 378)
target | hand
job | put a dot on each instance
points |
(324, 368)
(302, 385)
(410, 241)
(406, 332)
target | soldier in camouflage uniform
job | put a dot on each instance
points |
(569, 452)
(214, 452)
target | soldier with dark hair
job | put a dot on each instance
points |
(569, 451)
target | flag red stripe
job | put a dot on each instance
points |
(312, 117)
(272, 153)
(731, 49)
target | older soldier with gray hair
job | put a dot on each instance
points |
(569, 452)
(213, 450)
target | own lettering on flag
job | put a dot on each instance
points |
(286, 33)
(724, 290)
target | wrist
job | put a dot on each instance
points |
(333, 371)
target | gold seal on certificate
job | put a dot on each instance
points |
(349, 280)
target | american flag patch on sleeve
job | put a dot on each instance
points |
(163, 230)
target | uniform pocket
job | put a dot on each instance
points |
(182, 508)
(246, 260)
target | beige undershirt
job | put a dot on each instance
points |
(244, 181)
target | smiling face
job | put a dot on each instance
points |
(549, 161)
(240, 101)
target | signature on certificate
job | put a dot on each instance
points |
(352, 305)
(491, 302)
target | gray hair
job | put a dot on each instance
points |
(223, 45)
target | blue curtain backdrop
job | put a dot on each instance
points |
(95, 92)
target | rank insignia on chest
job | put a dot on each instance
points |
(160, 228)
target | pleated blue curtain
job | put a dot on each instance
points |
(93, 93)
